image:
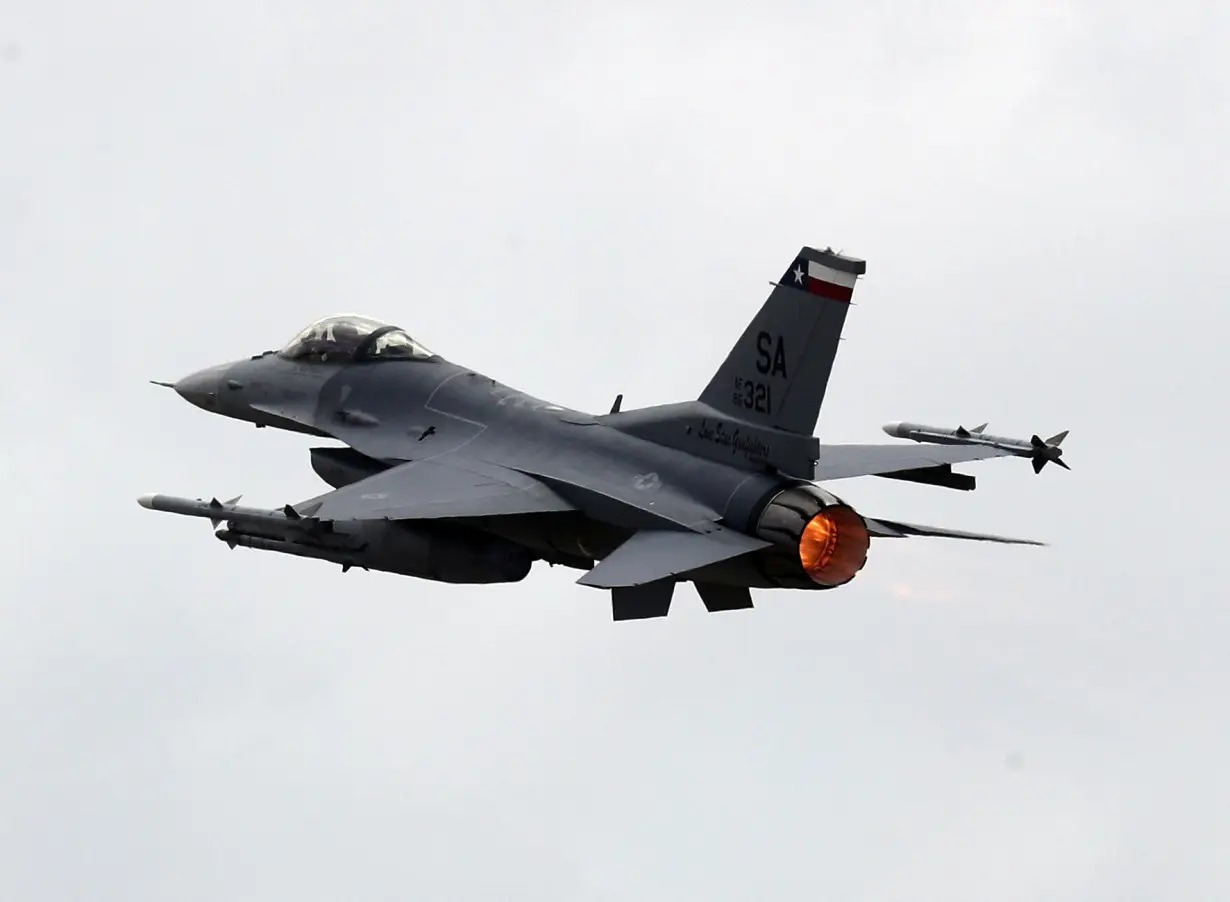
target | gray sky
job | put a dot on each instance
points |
(583, 199)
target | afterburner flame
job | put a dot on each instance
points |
(833, 546)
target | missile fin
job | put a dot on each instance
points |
(1047, 452)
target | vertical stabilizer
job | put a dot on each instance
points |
(778, 370)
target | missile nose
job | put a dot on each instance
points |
(201, 388)
(147, 501)
(893, 428)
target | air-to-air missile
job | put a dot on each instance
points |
(393, 547)
(1040, 451)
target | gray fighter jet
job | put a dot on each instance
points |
(449, 475)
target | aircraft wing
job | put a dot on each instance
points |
(894, 529)
(435, 489)
(848, 461)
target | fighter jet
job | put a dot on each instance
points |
(447, 474)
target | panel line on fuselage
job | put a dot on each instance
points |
(444, 413)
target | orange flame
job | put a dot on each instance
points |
(833, 546)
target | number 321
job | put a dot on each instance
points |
(756, 396)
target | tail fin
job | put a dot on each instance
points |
(778, 370)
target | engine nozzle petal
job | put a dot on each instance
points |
(834, 545)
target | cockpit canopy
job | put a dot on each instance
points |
(348, 338)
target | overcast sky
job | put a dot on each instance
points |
(580, 200)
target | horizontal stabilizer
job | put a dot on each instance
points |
(894, 529)
(655, 554)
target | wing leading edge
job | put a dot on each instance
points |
(848, 461)
(434, 489)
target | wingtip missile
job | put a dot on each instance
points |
(1047, 452)
(1039, 452)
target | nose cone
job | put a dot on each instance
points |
(201, 388)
